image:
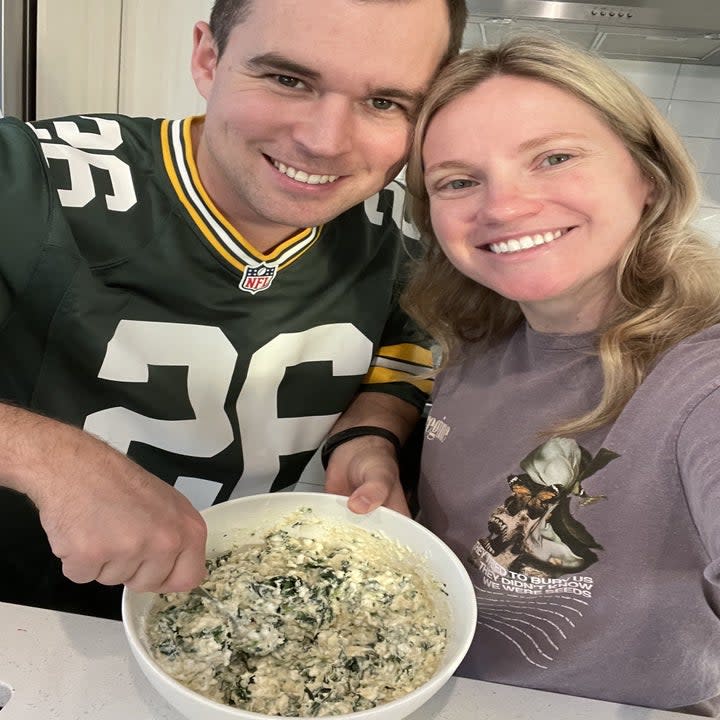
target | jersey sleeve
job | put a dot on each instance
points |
(698, 452)
(403, 362)
(26, 208)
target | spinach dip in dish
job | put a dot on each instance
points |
(331, 619)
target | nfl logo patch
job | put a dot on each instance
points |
(257, 278)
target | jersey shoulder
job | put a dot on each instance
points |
(384, 213)
(377, 225)
(26, 185)
(103, 170)
(127, 138)
(31, 217)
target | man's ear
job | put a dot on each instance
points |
(204, 58)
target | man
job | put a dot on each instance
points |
(207, 296)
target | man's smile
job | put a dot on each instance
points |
(303, 176)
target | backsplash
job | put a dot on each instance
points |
(689, 96)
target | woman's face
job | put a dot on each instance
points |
(534, 196)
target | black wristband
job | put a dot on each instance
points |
(350, 434)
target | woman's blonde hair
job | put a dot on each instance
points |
(668, 279)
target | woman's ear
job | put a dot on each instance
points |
(651, 189)
(204, 58)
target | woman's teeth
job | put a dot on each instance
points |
(302, 176)
(525, 242)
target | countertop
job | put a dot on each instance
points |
(59, 666)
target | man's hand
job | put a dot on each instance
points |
(123, 525)
(366, 469)
(106, 518)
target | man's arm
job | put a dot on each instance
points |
(106, 518)
(366, 467)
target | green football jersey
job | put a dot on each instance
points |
(130, 307)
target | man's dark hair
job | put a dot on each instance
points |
(226, 14)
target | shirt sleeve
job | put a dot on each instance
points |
(698, 454)
(403, 363)
(25, 208)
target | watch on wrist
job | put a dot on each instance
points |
(354, 432)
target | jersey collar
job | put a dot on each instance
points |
(214, 227)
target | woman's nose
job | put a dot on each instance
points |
(509, 200)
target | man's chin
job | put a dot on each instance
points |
(312, 217)
(311, 212)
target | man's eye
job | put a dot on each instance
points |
(288, 81)
(382, 104)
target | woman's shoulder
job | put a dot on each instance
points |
(702, 344)
(693, 365)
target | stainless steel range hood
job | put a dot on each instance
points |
(667, 30)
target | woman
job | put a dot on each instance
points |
(571, 455)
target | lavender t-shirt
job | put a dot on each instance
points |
(596, 559)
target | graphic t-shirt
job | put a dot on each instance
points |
(130, 307)
(594, 558)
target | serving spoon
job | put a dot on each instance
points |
(200, 590)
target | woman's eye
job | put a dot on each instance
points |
(288, 81)
(557, 158)
(459, 184)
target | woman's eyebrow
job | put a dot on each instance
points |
(446, 165)
(537, 142)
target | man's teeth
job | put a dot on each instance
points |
(302, 176)
(525, 242)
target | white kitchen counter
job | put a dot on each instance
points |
(58, 666)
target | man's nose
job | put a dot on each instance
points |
(326, 127)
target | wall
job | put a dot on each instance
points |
(689, 96)
(157, 41)
(128, 56)
(78, 56)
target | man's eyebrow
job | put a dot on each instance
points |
(277, 62)
(412, 97)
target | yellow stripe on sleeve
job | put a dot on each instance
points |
(408, 352)
(377, 375)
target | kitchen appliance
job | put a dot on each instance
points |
(18, 22)
(668, 30)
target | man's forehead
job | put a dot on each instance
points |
(394, 39)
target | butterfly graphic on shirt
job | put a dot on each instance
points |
(534, 531)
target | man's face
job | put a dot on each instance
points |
(309, 108)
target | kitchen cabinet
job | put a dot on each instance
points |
(78, 60)
(156, 44)
(127, 56)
